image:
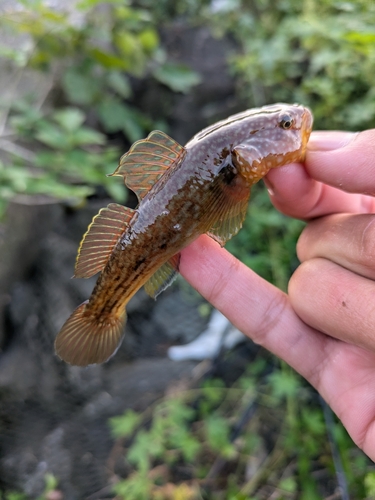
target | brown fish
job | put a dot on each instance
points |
(183, 192)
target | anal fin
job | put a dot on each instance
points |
(101, 237)
(163, 277)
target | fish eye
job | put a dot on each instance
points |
(286, 122)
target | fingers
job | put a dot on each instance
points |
(342, 373)
(337, 164)
(347, 240)
(344, 160)
(335, 301)
(333, 290)
(253, 305)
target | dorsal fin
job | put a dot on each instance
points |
(101, 237)
(163, 277)
(147, 160)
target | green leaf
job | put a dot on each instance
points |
(370, 484)
(107, 59)
(132, 129)
(313, 421)
(79, 87)
(177, 77)
(149, 39)
(112, 114)
(288, 484)
(69, 119)
(135, 487)
(217, 433)
(50, 482)
(88, 4)
(178, 411)
(126, 42)
(53, 137)
(124, 425)
(119, 83)
(15, 496)
(85, 136)
(283, 383)
(143, 448)
(116, 190)
(190, 447)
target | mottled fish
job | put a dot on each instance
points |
(183, 192)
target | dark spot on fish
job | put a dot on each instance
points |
(163, 246)
(139, 262)
(228, 173)
(343, 303)
(224, 153)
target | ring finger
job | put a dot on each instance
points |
(334, 290)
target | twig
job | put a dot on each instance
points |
(271, 462)
(19, 73)
(337, 462)
(220, 462)
(15, 149)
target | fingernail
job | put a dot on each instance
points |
(328, 141)
(269, 186)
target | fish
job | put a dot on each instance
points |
(183, 192)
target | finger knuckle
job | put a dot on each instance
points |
(367, 244)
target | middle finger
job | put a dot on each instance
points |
(346, 239)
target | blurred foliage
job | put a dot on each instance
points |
(317, 53)
(88, 56)
(50, 491)
(180, 448)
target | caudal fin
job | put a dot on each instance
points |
(85, 339)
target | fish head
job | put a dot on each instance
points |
(277, 135)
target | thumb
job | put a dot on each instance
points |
(344, 160)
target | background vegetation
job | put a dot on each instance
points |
(319, 53)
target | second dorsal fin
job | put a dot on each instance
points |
(101, 237)
(147, 160)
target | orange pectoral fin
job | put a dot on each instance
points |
(84, 339)
(232, 202)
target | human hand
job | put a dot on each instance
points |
(325, 326)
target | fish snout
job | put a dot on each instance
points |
(307, 123)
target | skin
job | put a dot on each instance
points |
(324, 327)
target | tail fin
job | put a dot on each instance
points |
(85, 339)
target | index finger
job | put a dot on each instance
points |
(338, 176)
(256, 307)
